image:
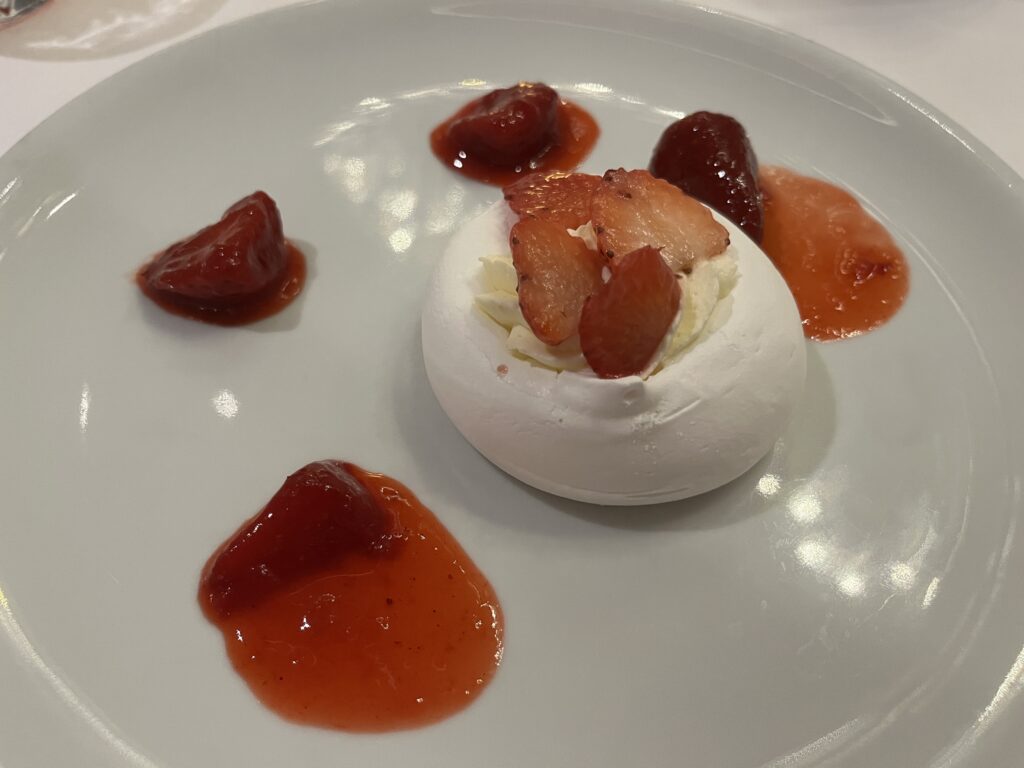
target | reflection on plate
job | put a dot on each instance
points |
(848, 602)
(13, 9)
(89, 29)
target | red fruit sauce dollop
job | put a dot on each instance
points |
(235, 271)
(345, 603)
(842, 266)
(514, 131)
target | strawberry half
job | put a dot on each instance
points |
(557, 272)
(624, 322)
(709, 157)
(560, 197)
(631, 209)
(509, 126)
(240, 258)
(320, 515)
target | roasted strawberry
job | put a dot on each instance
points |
(708, 156)
(510, 126)
(626, 319)
(241, 257)
(563, 198)
(502, 136)
(631, 209)
(319, 516)
(557, 272)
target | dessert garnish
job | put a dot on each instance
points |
(602, 283)
(708, 156)
(632, 209)
(513, 131)
(556, 274)
(624, 321)
(607, 339)
(345, 603)
(235, 271)
(560, 197)
(846, 273)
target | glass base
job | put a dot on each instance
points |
(11, 9)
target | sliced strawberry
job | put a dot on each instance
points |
(560, 197)
(239, 258)
(623, 323)
(320, 515)
(557, 272)
(632, 209)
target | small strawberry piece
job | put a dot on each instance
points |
(557, 272)
(708, 156)
(625, 321)
(319, 516)
(631, 209)
(560, 197)
(240, 258)
(510, 126)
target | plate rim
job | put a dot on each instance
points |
(977, 149)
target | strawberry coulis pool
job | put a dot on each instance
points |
(842, 266)
(345, 603)
(558, 140)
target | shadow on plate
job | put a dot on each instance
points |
(92, 29)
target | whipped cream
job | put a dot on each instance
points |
(708, 283)
(712, 410)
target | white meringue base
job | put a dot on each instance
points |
(699, 423)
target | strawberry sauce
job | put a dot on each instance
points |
(237, 270)
(345, 603)
(509, 133)
(842, 266)
(256, 307)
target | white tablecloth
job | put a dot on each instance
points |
(963, 56)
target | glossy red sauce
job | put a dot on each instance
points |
(577, 132)
(257, 307)
(396, 628)
(236, 270)
(842, 266)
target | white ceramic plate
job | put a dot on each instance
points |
(855, 600)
